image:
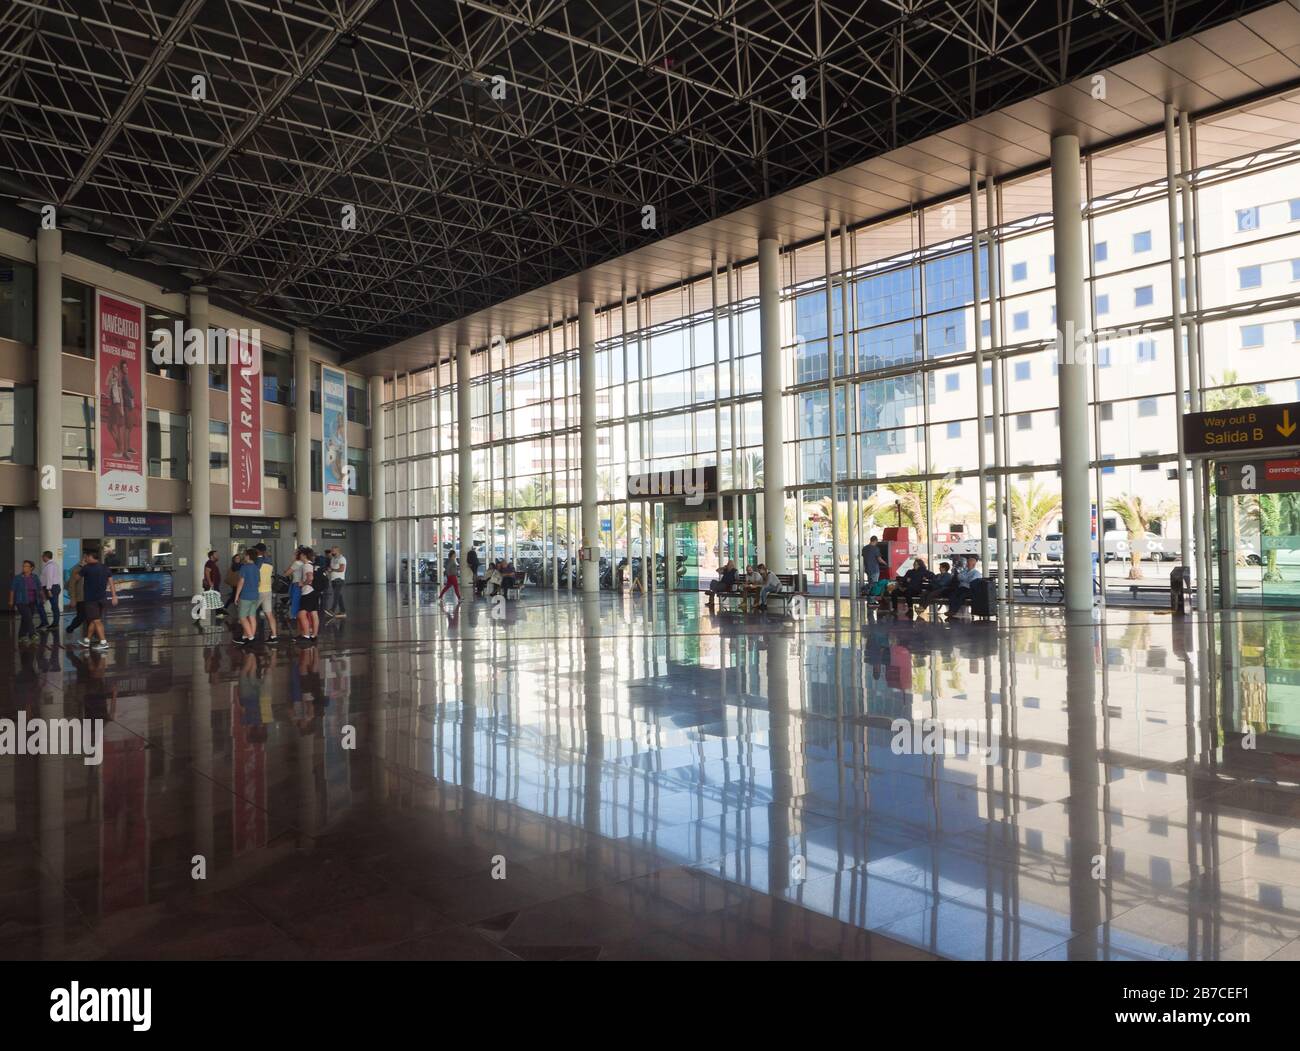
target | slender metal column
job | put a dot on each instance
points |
(1176, 337)
(302, 428)
(378, 498)
(977, 325)
(769, 316)
(1001, 517)
(550, 416)
(1200, 520)
(834, 431)
(1072, 376)
(849, 324)
(465, 475)
(200, 417)
(587, 434)
(717, 408)
(49, 389)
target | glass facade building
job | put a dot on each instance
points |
(890, 391)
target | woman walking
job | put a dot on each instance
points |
(451, 582)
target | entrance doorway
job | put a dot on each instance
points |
(1256, 532)
(693, 545)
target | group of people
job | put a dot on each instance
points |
(90, 586)
(501, 576)
(310, 577)
(922, 586)
(757, 578)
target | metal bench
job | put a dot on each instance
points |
(792, 584)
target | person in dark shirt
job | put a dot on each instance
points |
(471, 558)
(725, 582)
(916, 581)
(939, 587)
(101, 588)
(24, 593)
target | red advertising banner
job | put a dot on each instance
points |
(250, 715)
(244, 352)
(1282, 471)
(119, 413)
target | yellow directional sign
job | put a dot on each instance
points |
(1242, 430)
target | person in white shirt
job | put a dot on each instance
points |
(51, 586)
(337, 574)
(963, 580)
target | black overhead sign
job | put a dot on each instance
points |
(1242, 430)
(254, 528)
(1243, 477)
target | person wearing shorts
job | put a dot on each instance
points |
(303, 594)
(265, 598)
(101, 588)
(247, 597)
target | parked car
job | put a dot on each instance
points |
(1151, 547)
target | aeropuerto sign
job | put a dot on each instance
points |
(1242, 430)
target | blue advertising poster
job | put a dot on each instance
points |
(142, 588)
(71, 556)
(334, 442)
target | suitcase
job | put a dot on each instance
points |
(981, 599)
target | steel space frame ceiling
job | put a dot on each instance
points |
(488, 148)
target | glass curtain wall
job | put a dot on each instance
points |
(887, 394)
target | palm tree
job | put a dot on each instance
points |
(1032, 509)
(911, 502)
(1258, 512)
(1231, 395)
(1138, 517)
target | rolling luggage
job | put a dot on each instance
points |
(981, 599)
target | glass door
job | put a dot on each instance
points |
(1255, 533)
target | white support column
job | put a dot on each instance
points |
(1191, 242)
(1072, 379)
(997, 372)
(1176, 337)
(587, 433)
(769, 316)
(378, 535)
(465, 475)
(302, 428)
(200, 416)
(49, 389)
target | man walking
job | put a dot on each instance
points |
(24, 593)
(338, 572)
(77, 592)
(51, 587)
(265, 592)
(100, 588)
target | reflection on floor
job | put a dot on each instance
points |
(637, 779)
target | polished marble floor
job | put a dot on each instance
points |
(637, 779)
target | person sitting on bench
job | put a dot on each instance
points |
(771, 585)
(492, 581)
(509, 576)
(938, 588)
(963, 580)
(725, 582)
(916, 581)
